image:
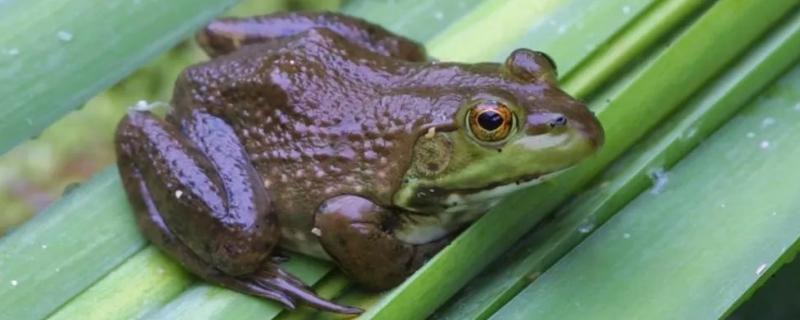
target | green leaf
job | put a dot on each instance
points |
(725, 220)
(103, 265)
(626, 47)
(770, 301)
(627, 177)
(65, 249)
(148, 279)
(664, 81)
(418, 20)
(578, 30)
(56, 54)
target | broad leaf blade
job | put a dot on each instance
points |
(418, 20)
(65, 249)
(725, 219)
(627, 177)
(149, 278)
(456, 258)
(56, 54)
(664, 81)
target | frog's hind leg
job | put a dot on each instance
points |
(357, 234)
(228, 34)
(271, 282)
(153, 201)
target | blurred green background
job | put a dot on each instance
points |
(39, 171)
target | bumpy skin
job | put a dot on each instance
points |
(331, 136)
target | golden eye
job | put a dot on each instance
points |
(490, 121)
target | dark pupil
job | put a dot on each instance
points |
(490, 120)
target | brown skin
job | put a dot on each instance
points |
(301, 131)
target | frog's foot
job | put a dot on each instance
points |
(228, 34)
(196, 196)
(357, 234)
(274, 283)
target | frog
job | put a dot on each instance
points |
(326, 135)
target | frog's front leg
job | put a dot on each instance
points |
(357, 234)
(228, 34)
(197, 197)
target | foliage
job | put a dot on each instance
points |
(662, 77)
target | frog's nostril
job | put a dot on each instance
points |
(557, 122)
(545, 122)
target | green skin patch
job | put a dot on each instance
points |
(454, 178)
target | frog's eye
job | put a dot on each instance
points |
(490, 121)
(531, 65)
(550, 61)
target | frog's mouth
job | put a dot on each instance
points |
(433, 199)
(455, 208)
(439, 205)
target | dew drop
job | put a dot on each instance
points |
(660, 179)
(626, 9)
(586, 227)
(768, 121)
(64, 36)
(143, 105)
(761, 269)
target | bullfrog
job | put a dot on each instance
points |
(326, 135)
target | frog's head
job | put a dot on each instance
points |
(513, 133)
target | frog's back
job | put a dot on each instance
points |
(319, 118)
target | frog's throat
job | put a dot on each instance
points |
(418, 228)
